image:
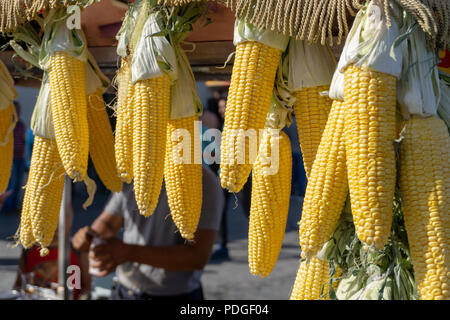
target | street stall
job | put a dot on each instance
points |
(367, 82)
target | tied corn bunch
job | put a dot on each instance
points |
(60, 124)
(143, 109)
(168, 117)
(157, 100)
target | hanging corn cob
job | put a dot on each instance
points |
(45, 187)
(310, 69)
(183, 166)
(8, 119)
(313, 280)
(271, 190)
(425, 169)
(371, 73)
(327, 188)
(101, 142)
(124, 130)
(153, 69)
(426, 148)
(258, 54)
(183, 178)
(125, 94)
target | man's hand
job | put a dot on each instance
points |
(108, 256)
(82, 239)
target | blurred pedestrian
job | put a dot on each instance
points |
(152, 262)
(18, 167)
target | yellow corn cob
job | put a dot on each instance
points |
(150, 117)
(271, 190)
(101, 143)
(26, 237)
(44, 191)
(370, 130)
(69, 112)
(124, 123)
(327, 187)
(6, 146)
(425, 188)
(311, 113)
(183, 179)
(249, 98)
(311, 278)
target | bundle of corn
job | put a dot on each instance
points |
(153, 69)
(271, 190)
(425, 148)
(101, 139)
(310, 69)
(44, 188)
(14, 13)
(371, 71)
(183, 165)
(8, 119)
(258, 54)
(60, 113)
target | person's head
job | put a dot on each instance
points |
(222, 103)
(17, 105)
(216, 94)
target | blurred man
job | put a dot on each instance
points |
(18, 168)
(153, 262)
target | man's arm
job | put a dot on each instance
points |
(185, 257)
(106, 226)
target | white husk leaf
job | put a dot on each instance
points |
(185, 101)
(154, 55)
(310, 65)
(246, 32)
(370, 41)
(124, 35)
(41, 120)
(337, 86)
(444, 105)
(418, 91)
(95, 79)
(348, 287)
(58, 37)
